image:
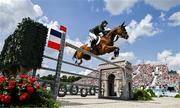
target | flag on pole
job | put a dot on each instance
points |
(62, 28)
(54, 41)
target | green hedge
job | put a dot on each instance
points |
(151, 92)
(177, 96)
(25, 46)
(141, 94)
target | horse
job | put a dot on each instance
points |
(106, 45)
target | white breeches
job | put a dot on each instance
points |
(92, 36)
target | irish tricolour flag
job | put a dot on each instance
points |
(54, 40)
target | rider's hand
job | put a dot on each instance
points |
(101, 34)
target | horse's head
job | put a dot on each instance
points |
(121, 31)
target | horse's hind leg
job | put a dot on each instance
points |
(80, 62)
(76, 61)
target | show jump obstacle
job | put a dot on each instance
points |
(60, 48)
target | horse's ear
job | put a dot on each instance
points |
(122, 25)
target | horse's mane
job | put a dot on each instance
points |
(111, 31)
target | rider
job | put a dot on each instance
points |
(98, 31)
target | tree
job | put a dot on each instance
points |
(25, 47)
(73, 78)
(64, 78)
(49, 77)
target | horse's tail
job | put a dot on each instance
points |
(74, 56)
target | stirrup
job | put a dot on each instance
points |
(93, 48)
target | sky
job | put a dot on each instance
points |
(153, 27)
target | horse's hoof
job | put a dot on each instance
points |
(76, 63)
(117, 55)
(112, 58)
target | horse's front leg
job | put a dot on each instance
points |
(116, 52)
(109, 49)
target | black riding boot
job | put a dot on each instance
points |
(93, 44)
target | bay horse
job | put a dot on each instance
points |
(106, 45)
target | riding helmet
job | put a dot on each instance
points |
(104, 22)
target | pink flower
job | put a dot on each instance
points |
(38, 85)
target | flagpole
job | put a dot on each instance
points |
(59, 64)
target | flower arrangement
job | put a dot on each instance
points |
(23, 91)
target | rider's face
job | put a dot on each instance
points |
(104, 25)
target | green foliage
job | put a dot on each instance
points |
(151, 92)
(70, 79)
(142, 94)
(49, 77)
(25, 46)
(64, 78)
(177, 96)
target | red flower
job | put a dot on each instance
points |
(5, 99)
(23, 76)
(11, 84)
(2, 78)
(23, 97)
(22, 84)
(38, 85)
(32, 80)
(30, 89)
